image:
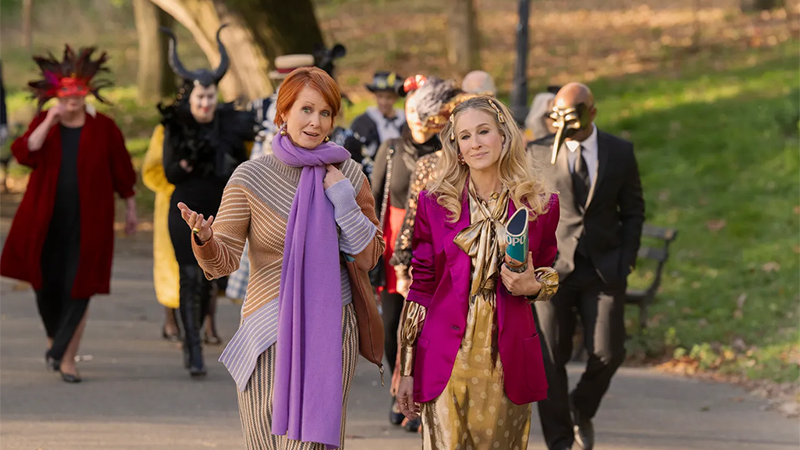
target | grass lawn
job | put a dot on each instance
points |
(718, 155)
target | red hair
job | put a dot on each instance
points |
(313, 77)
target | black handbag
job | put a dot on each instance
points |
(377, 276)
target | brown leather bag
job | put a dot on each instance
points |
(370, 323)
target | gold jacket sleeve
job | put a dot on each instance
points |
(411, 322)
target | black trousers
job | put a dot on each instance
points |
(61, 314)
(392, 306)
(601, 308)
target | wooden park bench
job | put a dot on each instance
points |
(642, 298)
(645, 297)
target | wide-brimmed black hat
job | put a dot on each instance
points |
(387, 82)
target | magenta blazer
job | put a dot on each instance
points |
(441, 280)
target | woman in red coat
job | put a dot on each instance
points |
(62, 237)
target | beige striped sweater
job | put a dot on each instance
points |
(255, 207)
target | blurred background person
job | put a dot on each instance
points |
(428, 105)
(538, 122)
(602, 212)
(480, 83)
(62, 238)
(203, 143)
(381, 122)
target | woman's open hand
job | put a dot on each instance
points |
(200, 226)
(520, 284)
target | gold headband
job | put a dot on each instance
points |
(500, 117)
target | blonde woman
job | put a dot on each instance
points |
(471, 360)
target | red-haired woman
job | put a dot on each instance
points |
(293, 365)
(62, 238)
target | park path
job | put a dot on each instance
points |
(136, 394)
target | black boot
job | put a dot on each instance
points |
(191, 309)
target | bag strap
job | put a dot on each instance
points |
(388, 180)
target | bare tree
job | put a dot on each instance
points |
(154, 78)
(463, 43)
(27, 29)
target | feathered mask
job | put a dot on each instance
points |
(73, 76)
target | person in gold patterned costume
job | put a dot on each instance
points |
(470, 353)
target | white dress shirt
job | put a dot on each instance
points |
(589, 154)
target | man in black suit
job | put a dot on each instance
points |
(602, 211)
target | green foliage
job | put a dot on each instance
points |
(718, 156)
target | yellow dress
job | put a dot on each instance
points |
(166, 275)
(165, 268)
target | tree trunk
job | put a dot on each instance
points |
(463, 46)
(154, 78)
(759, 5)
(248, 61)
(27, 33)
(260, 30)
(280, 27)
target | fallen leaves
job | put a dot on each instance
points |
(770, 267)
(716, 225)
(737, 313)
(781, 397)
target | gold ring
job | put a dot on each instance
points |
(195, 230)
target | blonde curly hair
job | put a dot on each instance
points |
(518, 172)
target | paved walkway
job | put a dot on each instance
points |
(136, 394)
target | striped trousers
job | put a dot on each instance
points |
(255, 402)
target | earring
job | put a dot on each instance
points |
(327, 139)
(461, 159)
(283, 130)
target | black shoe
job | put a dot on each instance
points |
(71, 378)
(413, 426)
(395, 416)
(583, 428)
(193, 361)
(197, 372)
(53, 365)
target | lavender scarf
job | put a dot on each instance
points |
(307, 400)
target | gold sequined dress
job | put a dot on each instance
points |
(473, 411)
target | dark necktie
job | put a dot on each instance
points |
(580, 180)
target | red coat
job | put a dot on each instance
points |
(104, 167)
